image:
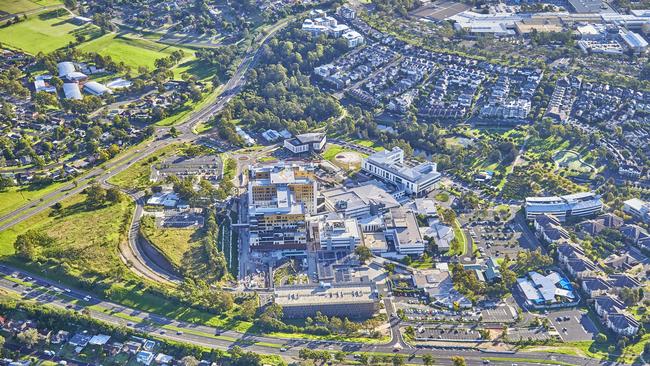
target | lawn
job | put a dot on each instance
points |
(459, 244)
(20, 6)
(15, 197)
(133, 52)
(45, 32)
(86, 240)
(175, 244)
(182, 248)
(333, 150)
(137, 176)
(190, 106)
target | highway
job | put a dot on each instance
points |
(156, 326)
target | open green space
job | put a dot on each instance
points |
(21, 6)
(175, 244)
(45, 32)
(183, 248)
(86, 240)
(572, 160)
(185, 111)
(133, 52)
(459, 244)
(15, 197)
(137, 176)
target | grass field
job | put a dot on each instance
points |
(182, 248)
(20, 6)
(85, 239)
(133, 52)
(572, 160)
(15, 197)
(45, 32)
(137, 175)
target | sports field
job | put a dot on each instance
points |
(131, 51)
(45, 32)
(20, 6)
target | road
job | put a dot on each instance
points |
(162, 138)
(156, 326)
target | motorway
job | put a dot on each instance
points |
(43, 291)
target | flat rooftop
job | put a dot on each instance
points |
(324, 295)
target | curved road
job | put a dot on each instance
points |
(133, 254)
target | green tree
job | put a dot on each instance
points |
(428, 359)
(458, 361)
(363, 252)
(27, 244)
(398, 360)
(113, 195)
(365, 360)
(339, 356)
(28, 338)
(95, 195)
(188, 361)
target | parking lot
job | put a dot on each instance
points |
(416, 312)
(454, 333)
(534, 334)
(573, 325)
(497, 239)
(440, 10)
(500, 314)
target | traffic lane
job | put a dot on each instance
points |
(155, 330)
(292, 349)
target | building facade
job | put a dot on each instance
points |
(351, 300)
(280, 199)
(563, 207)
(388, 165)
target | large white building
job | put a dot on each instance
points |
(71, 91)
(306, 143)
(388, 165)
(402, 228)
(280, 200)
(637, 208)
(329, 26)
(334, 233)
(95, 88)
(562, 207)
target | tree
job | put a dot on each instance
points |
(601, 338)
(26, 244)
(5, 183)
(428, 359)
(339, 356)
(173, 131)
(95, 195)
(28, 338)
(113, 195)
(363, 252)
(458, 361)
(70, 4)
(398, 360)
(2, 344)
(189, 361)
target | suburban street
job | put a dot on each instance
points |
(162, 138)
